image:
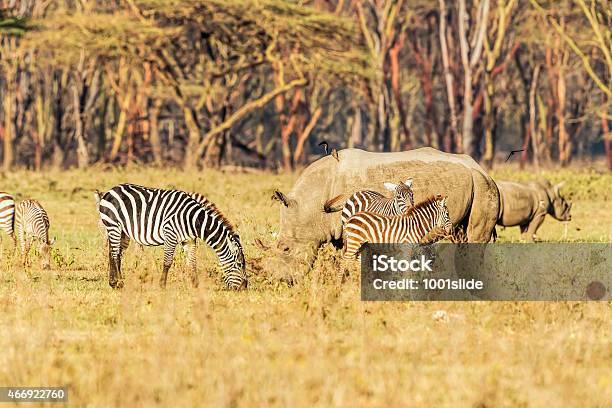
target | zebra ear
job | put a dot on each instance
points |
(443, 202)
(390, 186)
(52, 241)
(277, 195)
(408, 183)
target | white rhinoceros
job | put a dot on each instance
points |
(473, 198)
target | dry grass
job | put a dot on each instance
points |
(312, 344)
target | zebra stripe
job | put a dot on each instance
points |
(375, 202)
(153, 217)
(7, 214)
(32, 222)
(407, 228)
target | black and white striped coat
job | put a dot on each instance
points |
(7, 214)
(32, 222)
(407, 228)
(153, 217)
(373, 201)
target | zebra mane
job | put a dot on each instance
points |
(429, 200)
(209, 205)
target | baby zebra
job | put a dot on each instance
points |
(372, 201)
(152, 217)
(7, 214)
(407, 228)
(32, 222)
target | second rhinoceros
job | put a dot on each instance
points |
(473, 198)
(527, 204)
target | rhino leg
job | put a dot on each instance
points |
(485, 209)
(534, 225)
(525, 235)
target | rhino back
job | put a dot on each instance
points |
(432, 171)
(519, 203)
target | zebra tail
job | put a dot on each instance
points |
(335, 204)
(98, 197)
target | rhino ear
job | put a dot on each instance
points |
(278, 196)
(390, 186)
(408, 183)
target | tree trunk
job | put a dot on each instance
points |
(533, 130)
(193, 152)
(448, 77)
(82, 153)
(154, 131)
(9, 79)
(469, 61)
(564, 142)
(605, 127)
(121, 124)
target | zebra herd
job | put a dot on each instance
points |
(155, 217)
(368, 216)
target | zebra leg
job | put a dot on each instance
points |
(190, 250)
(169, 247)
(14, 240)
(114, 258)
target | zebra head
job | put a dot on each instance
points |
(234, 273)
(443, 219)
(403, 194)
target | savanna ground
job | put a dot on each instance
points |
(311, 344)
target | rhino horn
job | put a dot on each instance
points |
(277, 195)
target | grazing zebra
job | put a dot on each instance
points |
(7, 214)
(154, 217)
(407, 228)
(32, 222)
(372, 201)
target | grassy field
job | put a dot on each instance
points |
(314, 344)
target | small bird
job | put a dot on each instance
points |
(513, 152)
(333, 152)
(325, 146)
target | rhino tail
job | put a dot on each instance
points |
(335, 204)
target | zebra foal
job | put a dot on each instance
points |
(373, 201)
(7, 215)
(407, 228)
(32, 222)
(153, 217)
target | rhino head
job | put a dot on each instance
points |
(299, 238)
(560, 206)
